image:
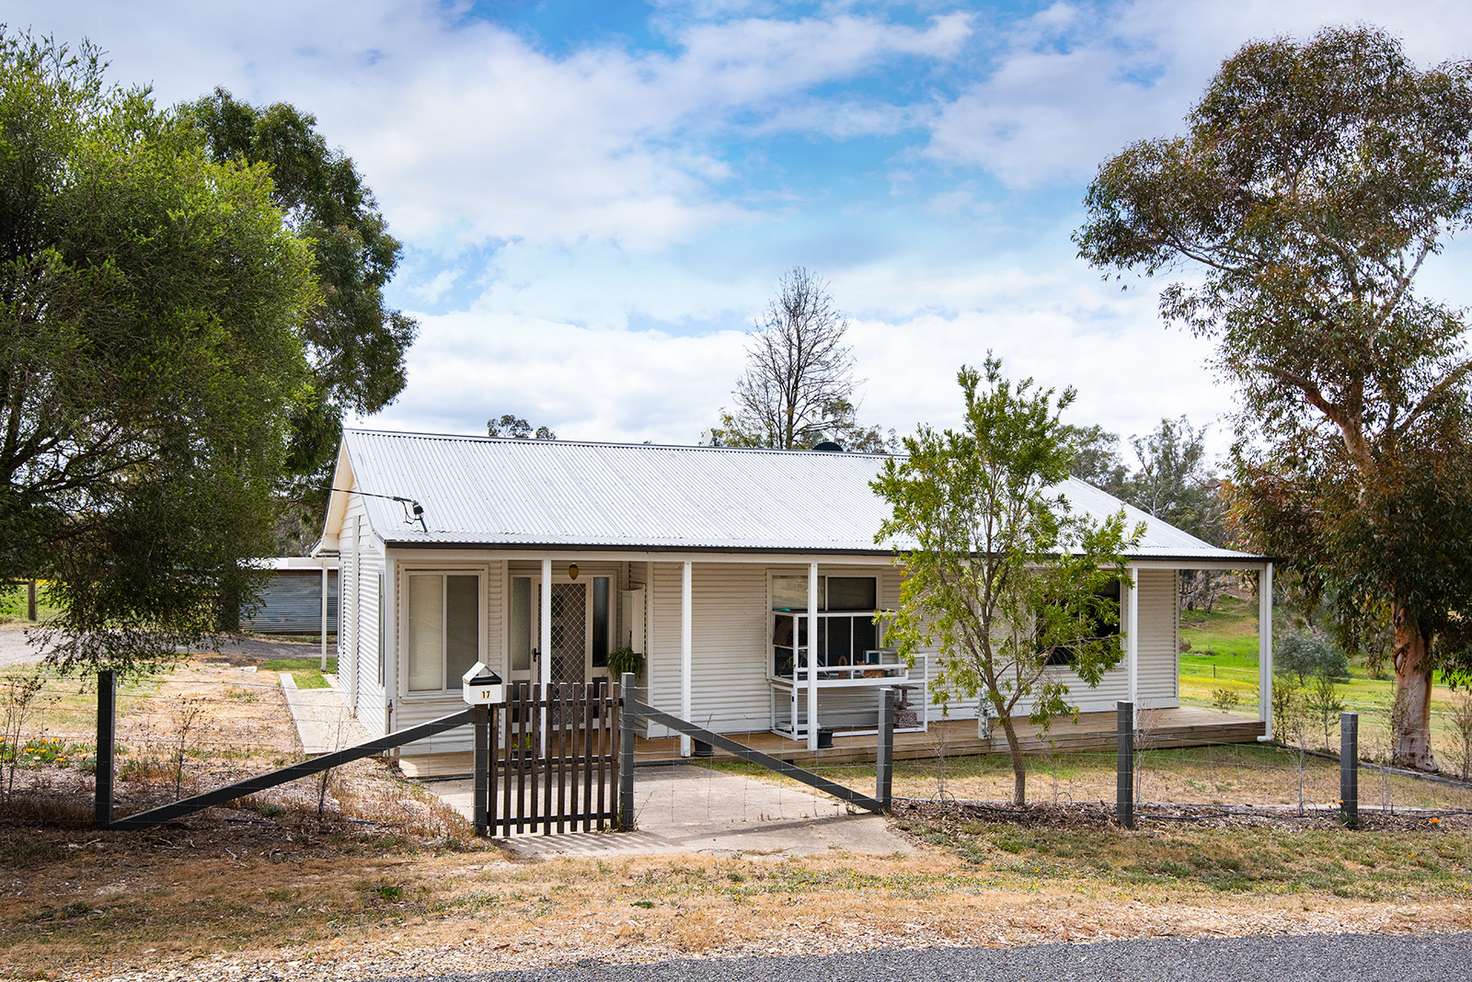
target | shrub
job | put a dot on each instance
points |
(1307, 654)
(1225, 699)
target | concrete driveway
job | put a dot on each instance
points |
(684, 808)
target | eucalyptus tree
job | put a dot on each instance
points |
(1018, 594)
(355, 341)
(1313, 183)
(798, 385)
(517, 428)
(149, 359)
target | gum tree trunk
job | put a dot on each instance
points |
(1411, 719)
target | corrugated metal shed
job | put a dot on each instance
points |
(291, 603)
(508, 493)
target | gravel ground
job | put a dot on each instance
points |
(16, 650)
(1311, 958)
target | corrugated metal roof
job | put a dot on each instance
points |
(501, 492)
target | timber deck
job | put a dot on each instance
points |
(1186, 726)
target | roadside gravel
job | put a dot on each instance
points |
(1310, 958)
(1258, 958)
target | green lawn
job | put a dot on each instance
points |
(305, 671)
(1222, 654)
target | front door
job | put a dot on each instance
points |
(571, 629)
(570, 634)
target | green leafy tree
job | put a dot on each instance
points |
(355, 342)
(149, 360)
(1009, 585)
(513, 426)
(1313, 182)
(1305, 654)
(1172, 479)
(1175, 481)
(1096, 458)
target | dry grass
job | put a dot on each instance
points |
(393, 881)
(85, 903)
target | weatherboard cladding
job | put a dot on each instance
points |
(508, 493)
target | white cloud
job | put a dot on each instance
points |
(601, 382)
(470, 134)
(1075, 83)
(433, 290)
(614, 188)
(588, 382)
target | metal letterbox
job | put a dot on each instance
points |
(482, 687)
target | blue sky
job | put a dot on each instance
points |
(597, 198)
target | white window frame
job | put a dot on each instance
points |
(450, 686)
(823, 591)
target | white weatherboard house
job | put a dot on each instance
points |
(540, 557)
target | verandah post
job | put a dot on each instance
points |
(625, 698)
(1124, 788)
(884, 753)
(107, 693)
(480, 719)
(1349, 768)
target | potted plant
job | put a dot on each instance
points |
(624, 659)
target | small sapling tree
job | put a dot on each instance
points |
(1322, 701)
(1018, 594)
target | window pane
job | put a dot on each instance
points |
(866, 636)
(425, 635)
(462, 632)
(521, 624)
(791, 592)
(600, 622)
(839, 637)
(852, 593)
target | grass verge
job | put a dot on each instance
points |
(85, 903)
(306, 671)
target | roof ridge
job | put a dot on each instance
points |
(614, 444)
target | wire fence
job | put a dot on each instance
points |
(201, 726)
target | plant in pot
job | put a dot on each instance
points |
(624, 659)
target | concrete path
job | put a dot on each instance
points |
(324, 722)
(1294, 958)
(686, 808)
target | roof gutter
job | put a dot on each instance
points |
(760, 550)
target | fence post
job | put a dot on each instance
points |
(480, 719)
(31, 602)
(626, 753)
(1349, 768)
(107, 693)
(1124, 788)
(884, 752)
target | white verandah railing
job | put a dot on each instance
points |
(851, 657)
